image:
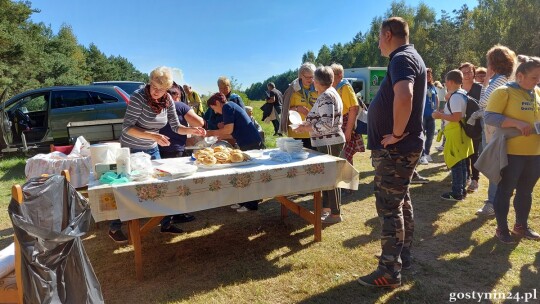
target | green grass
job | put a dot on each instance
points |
(255, 257)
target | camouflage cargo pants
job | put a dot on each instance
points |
(393, 172)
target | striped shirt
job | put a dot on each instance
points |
(139, 114)
(495, 82)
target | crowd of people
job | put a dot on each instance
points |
(401, 129)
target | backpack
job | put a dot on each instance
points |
(473, 131)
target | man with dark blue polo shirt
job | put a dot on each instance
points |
(396, 139)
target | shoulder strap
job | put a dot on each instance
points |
(448, 103)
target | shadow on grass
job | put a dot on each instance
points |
(452, 259)
(529, 279)
(352, 292)
(439, 271)
(13, 172)
(479, 271)
(224, 248)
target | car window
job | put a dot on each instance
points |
(66, 99)
(130, 87)
(101, 98)
(358, 86)
(32, 103)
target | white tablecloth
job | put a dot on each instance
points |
(207, 189)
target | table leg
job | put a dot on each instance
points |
(312, 217)
(284, 211)
(135, 236)
(317, 200)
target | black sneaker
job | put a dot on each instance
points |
(118, 236)
(379, 279)
(417, 179)
(182, 218)
(449, 196)
(504, 236)
(172, 229)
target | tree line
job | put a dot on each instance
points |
(32, 56)
(461, 35)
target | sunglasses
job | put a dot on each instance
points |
(174, 93)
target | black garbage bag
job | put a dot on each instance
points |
(49, 225)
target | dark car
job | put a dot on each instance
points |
(42, 115)
(128, 86)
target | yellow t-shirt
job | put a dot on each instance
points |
(348, 97)
(302, 98)
(518, 104)
(194, 101)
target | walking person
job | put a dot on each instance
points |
(275, 98)
(396, 139)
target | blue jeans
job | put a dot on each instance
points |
(459, 177)
(492, 189)
(429, 128)
(154, 154)
(521, 174)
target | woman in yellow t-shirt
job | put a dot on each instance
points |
(300, 97)
(353, 141)
(516, 105)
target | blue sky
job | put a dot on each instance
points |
(202, 40)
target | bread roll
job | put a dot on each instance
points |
(222, 157)
(202, 153)
(209, 160)
(237, 157)
(220, 149)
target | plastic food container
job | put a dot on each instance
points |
(300, 155)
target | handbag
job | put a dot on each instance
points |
(361, 119)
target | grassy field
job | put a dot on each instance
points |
(254, 257)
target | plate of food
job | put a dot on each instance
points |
(220, 157)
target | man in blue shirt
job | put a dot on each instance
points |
(396, 139)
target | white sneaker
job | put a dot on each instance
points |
(440, 148)
(428, 158)
(423, 160)
(242, 209)
(487, 209)
(235, 206)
